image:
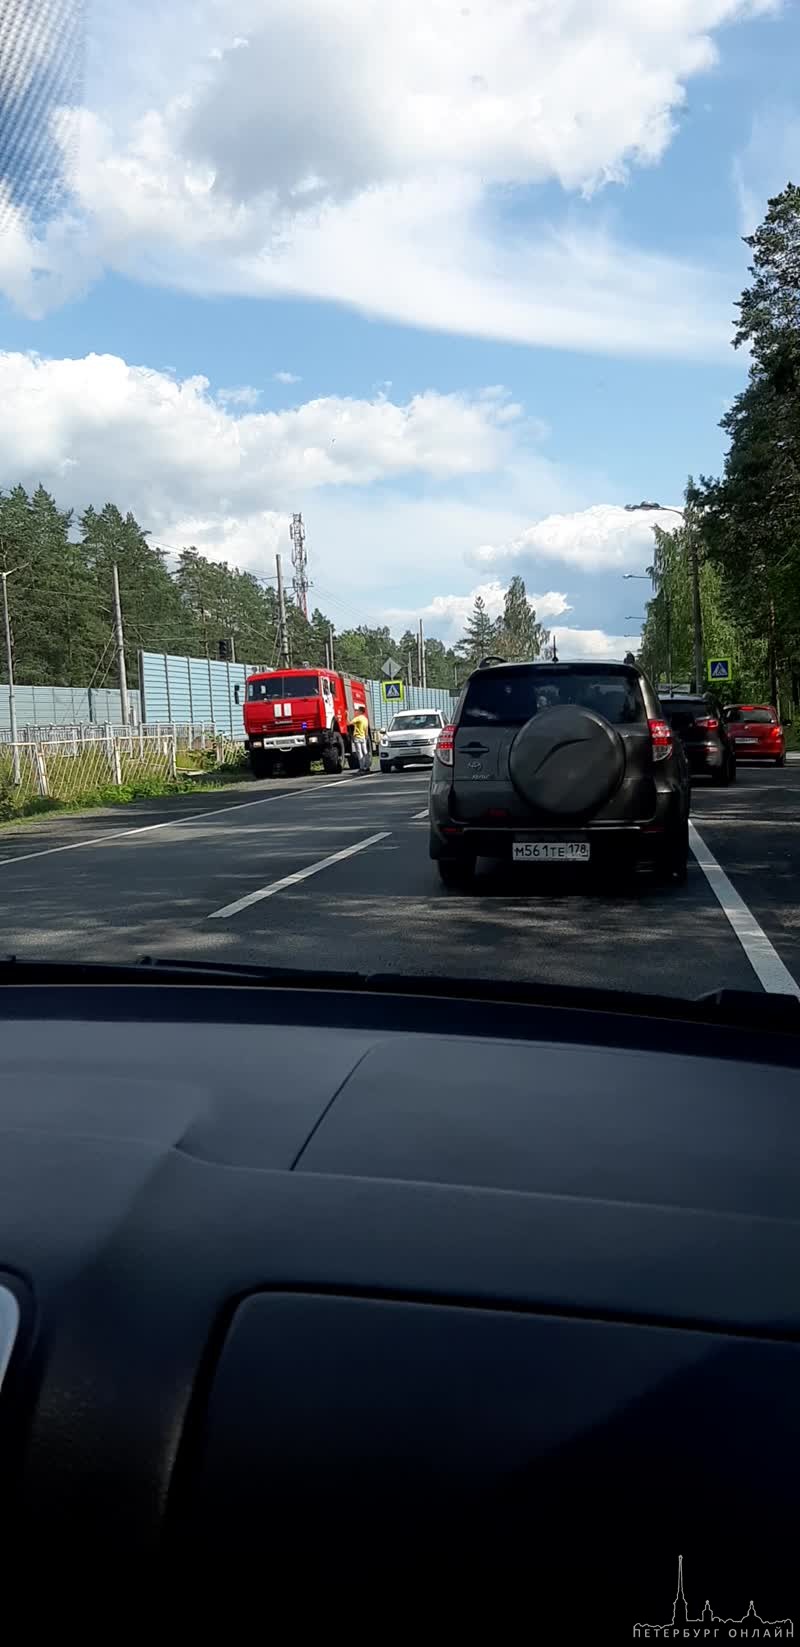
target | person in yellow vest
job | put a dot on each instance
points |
(360, 727)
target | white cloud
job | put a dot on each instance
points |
(286, 377)
(603, 537)
(592, 643)
(129, 430)
(446, 615)
(244, 395)
(380, 175)
(502, 90)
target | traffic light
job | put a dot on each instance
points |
(225, 651)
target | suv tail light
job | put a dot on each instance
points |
(661, 739)
(444, 745)
(708, 723)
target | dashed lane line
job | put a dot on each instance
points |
(292, 880)
(164, 823)
(764, 959)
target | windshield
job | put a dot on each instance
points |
(283, 686)
(415, 723)
(399, 472)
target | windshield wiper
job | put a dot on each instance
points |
(741, 1009)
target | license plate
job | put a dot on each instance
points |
(747, 740)
(554, 852)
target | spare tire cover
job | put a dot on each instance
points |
(567, 761)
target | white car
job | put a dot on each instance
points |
(410, 738)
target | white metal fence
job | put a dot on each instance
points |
(200, 735)
(82, 759)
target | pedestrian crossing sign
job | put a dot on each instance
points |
(393, 691)
(719, 669)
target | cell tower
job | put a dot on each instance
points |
(300, 584)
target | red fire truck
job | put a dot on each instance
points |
(297, 716)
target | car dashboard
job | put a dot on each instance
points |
(312, 1282)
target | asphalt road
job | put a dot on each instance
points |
(160, 878)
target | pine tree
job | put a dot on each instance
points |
(153, 615)
(519, 635)
(480, 636)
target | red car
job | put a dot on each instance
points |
(755, 732)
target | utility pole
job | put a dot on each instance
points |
(409, 670)
(283, 636)
(120, 645)
(330, 647)
(423, 673)
(12, 701)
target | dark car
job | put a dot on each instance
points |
(698, 720)
(755, 732)
(559, 763)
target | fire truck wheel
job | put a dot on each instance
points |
(262, 765)
(333, 758)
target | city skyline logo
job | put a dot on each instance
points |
(710, 1626)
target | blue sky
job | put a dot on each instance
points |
(459, 296)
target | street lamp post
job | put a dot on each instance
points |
(694, 569)
(661, 594)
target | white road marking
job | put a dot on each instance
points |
(292, 880)
(190, 817)
(416, 815)
(715, 818)
(764, 959)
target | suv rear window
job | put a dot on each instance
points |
(511, 697)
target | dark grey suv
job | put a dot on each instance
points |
(559, 763)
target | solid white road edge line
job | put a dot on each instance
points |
(292, 880)
(189, 817)
(765, 961)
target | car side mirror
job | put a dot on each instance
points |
(236, 691)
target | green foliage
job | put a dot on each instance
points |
(747, 522)
(13, 810)
(516, 634)
(519, 635)
(480, 638)
(60, 601)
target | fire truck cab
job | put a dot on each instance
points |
(296, 716)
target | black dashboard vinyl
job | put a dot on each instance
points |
(411, 1298)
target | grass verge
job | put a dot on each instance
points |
(39, 806)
